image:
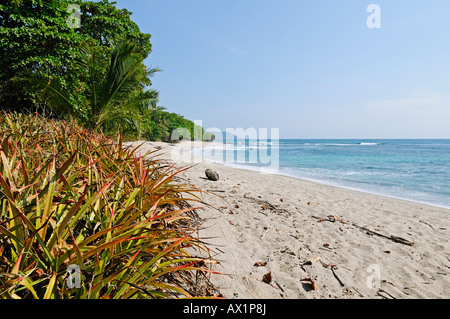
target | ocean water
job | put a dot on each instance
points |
(417, 170)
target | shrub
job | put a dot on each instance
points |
(70, 196)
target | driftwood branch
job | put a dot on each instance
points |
(337, 277)
(384, 291)
(333, 269)
(392, 237)
(421, 221)
(396, 239)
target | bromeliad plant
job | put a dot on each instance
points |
(73, 197)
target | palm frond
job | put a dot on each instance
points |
(121, 74)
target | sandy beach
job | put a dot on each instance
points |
(315, 240)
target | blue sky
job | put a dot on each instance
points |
(311, 68)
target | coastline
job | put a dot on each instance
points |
(339, 182)
(327, 183)
(346, 235)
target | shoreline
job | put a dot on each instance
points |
(300, 229)
(324, 182)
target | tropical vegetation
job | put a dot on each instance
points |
(93, 72)
(74, 200)
(71, 196)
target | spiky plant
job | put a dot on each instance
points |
(71, 196)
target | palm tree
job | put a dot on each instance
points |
(115, 92)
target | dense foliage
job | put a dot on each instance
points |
(35, 36)
(93, 72)
(70, 196)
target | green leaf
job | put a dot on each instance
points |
(50, 291)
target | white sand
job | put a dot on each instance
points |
(276, 219)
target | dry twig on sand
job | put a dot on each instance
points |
(396, 239)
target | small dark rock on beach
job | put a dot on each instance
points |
(212, 175)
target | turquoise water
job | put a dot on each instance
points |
(417, 170)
